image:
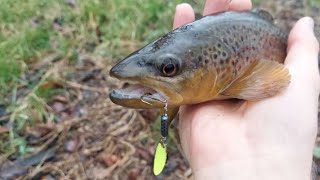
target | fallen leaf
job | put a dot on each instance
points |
(72, 145)
(3, 130)
(108, 159)
(40, 130)
(133, 174)
(60, 98)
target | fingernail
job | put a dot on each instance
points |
(181, 5)
(310, 22)
(178, 6)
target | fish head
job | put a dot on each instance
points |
(164, 71)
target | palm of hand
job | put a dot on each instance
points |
(224, 131)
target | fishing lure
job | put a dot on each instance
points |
(161, 155)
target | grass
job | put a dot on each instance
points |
(315, 2)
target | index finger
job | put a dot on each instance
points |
(184, 14)
(214, 6)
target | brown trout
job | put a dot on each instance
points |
(222, 56)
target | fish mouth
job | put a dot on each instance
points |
(135, 95)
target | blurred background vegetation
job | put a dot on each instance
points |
(32, 30)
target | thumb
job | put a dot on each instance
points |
(302, 58)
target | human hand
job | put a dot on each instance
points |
(269, 139)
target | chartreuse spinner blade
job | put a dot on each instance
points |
(160, 159)
(160, 156)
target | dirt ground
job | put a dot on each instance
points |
(96, 139)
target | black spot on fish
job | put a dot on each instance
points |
(215, 56)
(233, 48)
(225, 40)
(184, 28)
(230, 39)
(205, 53)
(161, 42)
(224, 54)
(237, 44)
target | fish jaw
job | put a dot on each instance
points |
(132, 97)
(141, 92)
(143, 97)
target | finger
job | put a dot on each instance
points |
(214, 6)
(184, 14)
(296, 36)
(302, 58)
(296, 107)
(240, 5)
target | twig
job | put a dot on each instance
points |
(121, 162)
(5, 117)
(124, 128)
(81, 166)
(84, 87)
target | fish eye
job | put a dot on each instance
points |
(168, 65)
(169, 69)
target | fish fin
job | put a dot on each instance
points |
(264, 78)
(263, 14)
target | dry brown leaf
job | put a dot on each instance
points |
(3, 130)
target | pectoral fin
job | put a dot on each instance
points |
(262, 79)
